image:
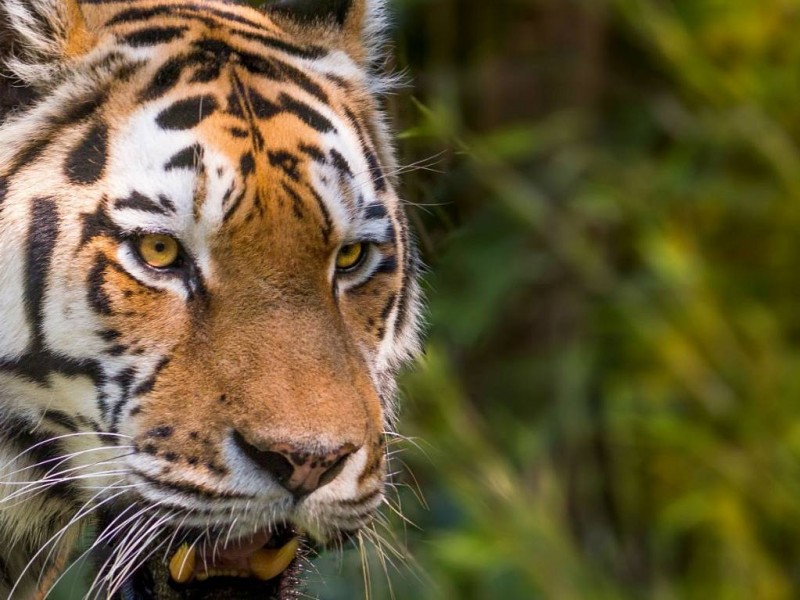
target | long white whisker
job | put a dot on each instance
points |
(39, 487)
(146, 539)
(122, 547)
(79, 515)
(73, 521)
(54, 476)
(66, 436)
(61, 459)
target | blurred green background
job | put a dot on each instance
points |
(606, 193)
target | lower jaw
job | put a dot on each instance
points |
(154, 582)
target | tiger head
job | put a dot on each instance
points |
(207, 285)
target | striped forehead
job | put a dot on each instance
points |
(190, 162)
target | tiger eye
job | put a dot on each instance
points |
(350, 256)
(158, 250)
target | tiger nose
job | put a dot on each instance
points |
(298, 470)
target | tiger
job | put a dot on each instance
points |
(208, 287)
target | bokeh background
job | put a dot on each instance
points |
(606, 193)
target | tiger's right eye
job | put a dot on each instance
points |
(350, 256)
(158, 250)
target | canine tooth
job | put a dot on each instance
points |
(181, 567)
(266, 563)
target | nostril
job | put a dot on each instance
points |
(273, 462)
(294, 467)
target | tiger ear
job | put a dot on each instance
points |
(355, 26)
(39, 40)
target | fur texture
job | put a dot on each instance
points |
(254, 139)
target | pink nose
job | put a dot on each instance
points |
(295, 468)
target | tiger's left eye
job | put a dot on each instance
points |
(158, 250)
(350, 256)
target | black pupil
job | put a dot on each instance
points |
(161, 247)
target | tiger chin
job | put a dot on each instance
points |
(207, 287)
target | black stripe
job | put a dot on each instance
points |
(167, 203)
(305, 113)
(311, 52)
(173, 487)
(387, 308)
(388, 265)
(341, 164)
(148, 384)
(98, 224)
(314, 152)
(262, 108)
(62, 419)
(125, 381)
(390, 235)
(109, 335)
(410, 261)
(366, 498)
(187, 113)
(98, 299)
(286, 161)
(3, 190)
(375, 169)
(165, 79)
(42, 236)
(297, 201)
(247, 164)
(246, 103)
(237, 201)
(140, 202)
(187, 158)
(257, 64)
(375, 211)
(86, 162)
(327, 228)
(153, 36)
(198, 12)
(37, 367)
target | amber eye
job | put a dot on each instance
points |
(350, 256)
(158, 250)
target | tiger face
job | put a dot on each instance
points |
(207, 285)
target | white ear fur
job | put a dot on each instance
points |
(41, 37)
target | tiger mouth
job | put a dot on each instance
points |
(264, 566)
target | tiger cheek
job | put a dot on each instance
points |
(151, 319)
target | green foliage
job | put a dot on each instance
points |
(608, 406)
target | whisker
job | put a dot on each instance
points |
(66, 436)
(57, 536)
(364, 567)
(147, 538)
(61, 459)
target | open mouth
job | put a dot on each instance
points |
(264, 566)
